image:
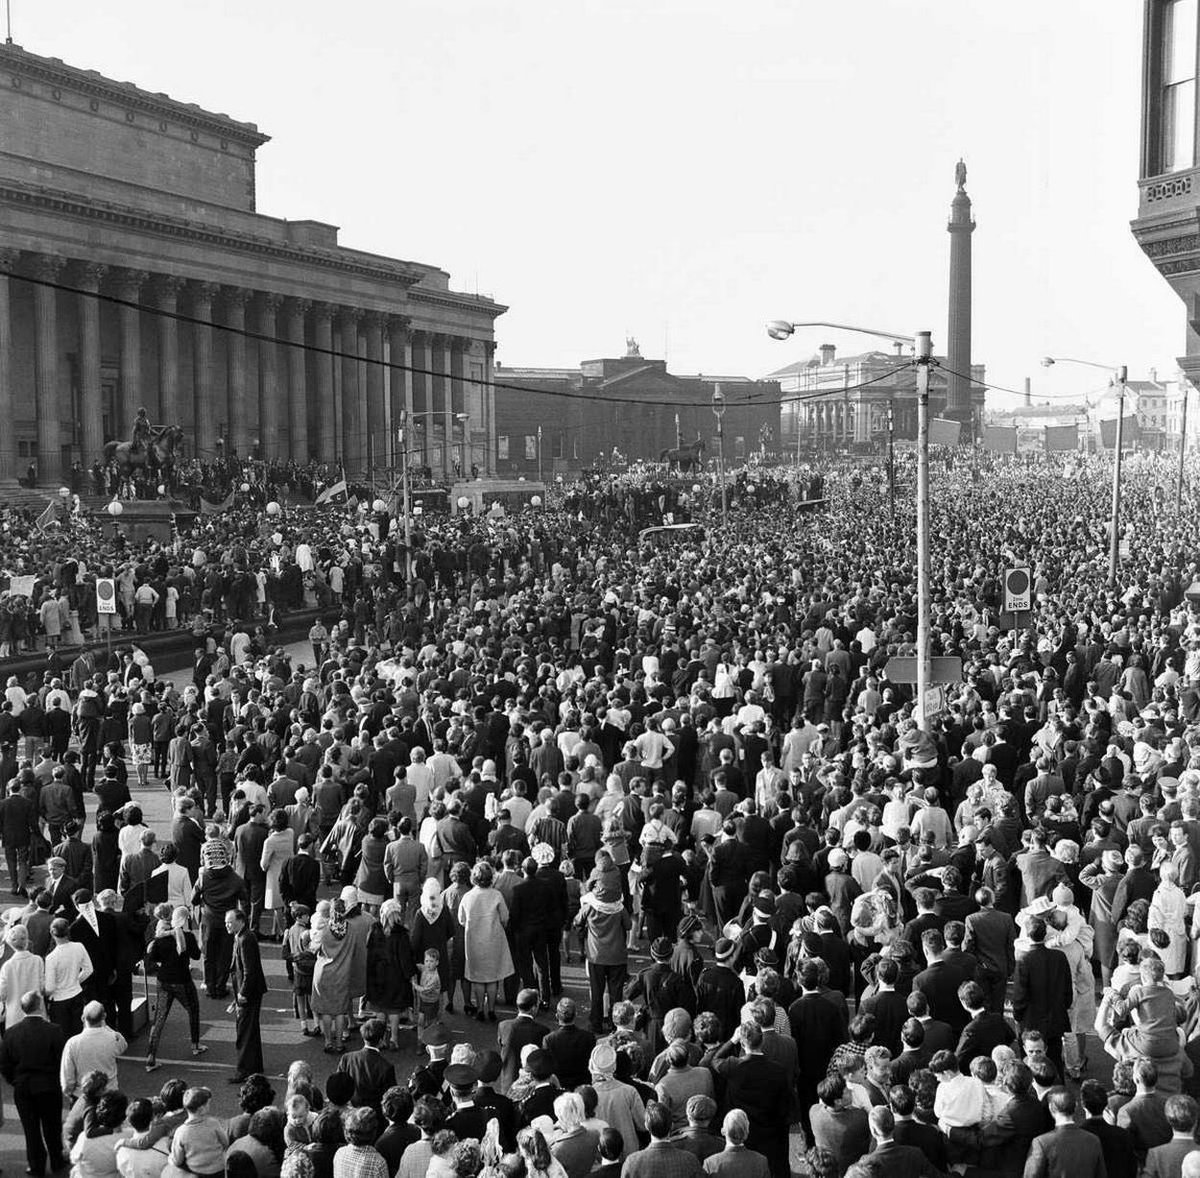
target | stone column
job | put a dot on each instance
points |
(353, 423)
(445, 402)
(166, 299)
(271, 424)
(128, 285)
(326, 443)
(461, 401)
(375, 445)
(205, 410)
(400, 385)
(235, 352)
(87, 278)
(47, 268)
(8, 445)
(489, 404)
(421, 383)
(297, 394)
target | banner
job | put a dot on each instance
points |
(48, 517)
(1000, 439)
(207, 508)
(1062, 437)
(331, 493)
(1131, 432)
(944, 432)
(21, 586)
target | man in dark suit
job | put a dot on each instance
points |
(1138, 883)
(1120, 1158)
(940, 981)
(514, 1033)
(817, 1025)
(762, 1091)
(372, 1074)
(493, 1104)
(30, 1055)
(660, 1159)
(1007, 1139)
(985, 1030)
(1166, 1160)
(61, 888)
(188, 836)
(96, 931)
(909, 1131)
(888, 1005)
(838, 1125)
(249, 986)
(540, 1102)
(991, 935)
(1145, 1116)
(570, 1047)
(1043, 992)
(301, 876)
(1067, 1151)
(889, 1156)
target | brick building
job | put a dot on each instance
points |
(108, 190)
(628, 403)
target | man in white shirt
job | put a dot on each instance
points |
(68, 966)
(96, 1048)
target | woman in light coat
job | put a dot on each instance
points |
(1168, 911)
(278, 848)
(21, 973)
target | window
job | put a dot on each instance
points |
(502, 447)
(1177, 141)
(559, 444)
(531, 447)
(739, 447)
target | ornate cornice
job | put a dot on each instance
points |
(322, 312)
(203, 294)
(270, 302)
(375, 320)
(166, 287)
(161, 225)
(87, 275)
(60, 76)
(47, 267)
(398, 324)
(235, 298)
(129, 283)
(459, 302)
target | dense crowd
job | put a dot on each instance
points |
(818, 936)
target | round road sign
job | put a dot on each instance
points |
(1017, 582)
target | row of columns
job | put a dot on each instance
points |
(362, 434)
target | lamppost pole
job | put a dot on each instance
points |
(1184, 384)
(539, 454)
(402, 439)
(718, 408)
(892, 455)
(923, 358)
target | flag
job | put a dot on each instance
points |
(207, 508)
(944, 432)
(1131, 432)
(1062, 437)
(331, 493)
(49, 516)
(1000, 439)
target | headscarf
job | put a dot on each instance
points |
(391, 912)
(431, 900)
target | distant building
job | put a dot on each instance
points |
(843, 402)
(629, 404)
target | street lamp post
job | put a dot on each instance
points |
(922, 343)
(1184, 385)
(718, 408)
(1119, 376)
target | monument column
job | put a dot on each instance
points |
(204, 411)
(376, 441)
(47, 268)
(445, 402)
(128, 284)
(489, 401)
(87, 278)
(326, 443)
(297, 394)
(352, 417)
(235, 351)
(270, 426)
(400, 385)
(8, 447)
(166, 299)
(958, 333)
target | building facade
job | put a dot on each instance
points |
(136, 271)
(833, 402)
(552, 421)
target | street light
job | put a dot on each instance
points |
(1118, 375)
(718, 408)
(922, 344)
(462, 419)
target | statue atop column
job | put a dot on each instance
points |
(960, 175)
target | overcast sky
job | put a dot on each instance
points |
(684, 170)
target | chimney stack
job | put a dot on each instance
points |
(1028, 392)
(1154, 376)
(828, 351)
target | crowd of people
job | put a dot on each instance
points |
(820, 933)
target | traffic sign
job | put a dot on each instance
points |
(106, 596)
(934, 703)
(1018, 590)
(942, 670)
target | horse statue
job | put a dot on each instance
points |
(157, 453)
(686, 458)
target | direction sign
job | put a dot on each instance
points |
(1018, 590)
(943, 670)
(106, 596)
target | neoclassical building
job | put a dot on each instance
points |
(135, 270)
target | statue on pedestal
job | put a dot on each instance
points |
(960, 175)
(152, 447)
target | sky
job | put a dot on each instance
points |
(683, 171)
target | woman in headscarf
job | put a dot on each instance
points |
(686, 959)
(370, 880)
(173, 950)
(434, 927)
(345, 839)
(390, 968)
(331, 975)
(106, 852)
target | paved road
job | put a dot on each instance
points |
(282, 1042)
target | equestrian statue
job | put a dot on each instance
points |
(686, 458)
(151, 447)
